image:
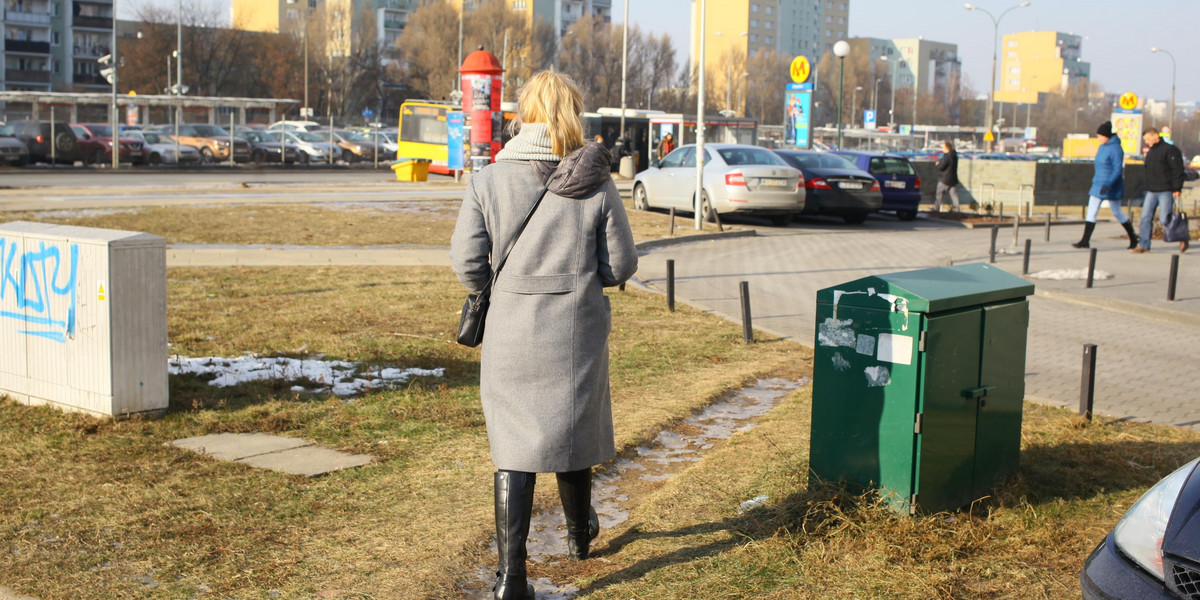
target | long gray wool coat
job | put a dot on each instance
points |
(544, 370)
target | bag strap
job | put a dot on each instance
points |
(500, 265)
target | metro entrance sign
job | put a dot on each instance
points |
(800, 69)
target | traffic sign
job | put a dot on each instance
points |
(800, 69)
(368, 113)
(988, 137)
(1128, 101)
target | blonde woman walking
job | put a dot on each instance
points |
(544, 368)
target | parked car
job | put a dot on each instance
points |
(737, 179)
(210, 140)
(897, 179)
(1154, 551)
(51, 142)
(295, 126)
(12, 150)
(265, 146)
(313, 148)
(131, 149)
(355, 146)
(835, 186)
(160, 148)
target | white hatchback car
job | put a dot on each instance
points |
(737, 179)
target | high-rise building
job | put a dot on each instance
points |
(748, 27)
(54, 45)
(345, 19)
(1036, 62)
(931, 67)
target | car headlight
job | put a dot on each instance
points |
(222, 143)
(1139, 534)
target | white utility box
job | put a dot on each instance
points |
(83, 318)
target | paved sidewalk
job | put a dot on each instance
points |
(1146, 345)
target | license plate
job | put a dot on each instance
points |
(895, 184)
(850, 185)
(775, 183)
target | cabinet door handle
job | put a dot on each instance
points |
(977, 392)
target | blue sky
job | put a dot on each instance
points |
(1119, 33)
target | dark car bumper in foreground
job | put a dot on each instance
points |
(1109, 576)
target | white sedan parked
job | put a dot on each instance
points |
(737, 179)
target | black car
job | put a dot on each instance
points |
(1154, 551)
(835, 186)
(264, 146)
(48, 142)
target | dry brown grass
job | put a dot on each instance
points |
(101, 509)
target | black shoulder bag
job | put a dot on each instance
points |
(474, 310)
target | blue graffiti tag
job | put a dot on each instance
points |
(27, 289)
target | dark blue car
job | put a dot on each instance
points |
(897, 179)
(1154, 551)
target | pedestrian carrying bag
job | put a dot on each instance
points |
(475, 308)
(1176, 228)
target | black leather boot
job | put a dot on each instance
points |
(514, 506)
(1087, 236)
(1133, 237)
(583, 525)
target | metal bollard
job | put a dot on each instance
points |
(1087, 391)
(1173, 277)
(621, 287)
(1056, 210)
(1091, 267)
(1016, 228)
(1047, 227)
(747, 329)
(1001, 210)
(1028, 248)
(671, 284)
(672, 232)
(992, 252)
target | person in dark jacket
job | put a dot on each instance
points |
(543, 379)
(1107, 184)
(1164, 182)
(947, 167)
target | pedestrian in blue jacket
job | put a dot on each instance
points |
(1107, 184)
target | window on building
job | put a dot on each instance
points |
(753, 8)
(754, 22)
(1014, 82)
(841, 20)
(1012, 44)
(828, 33)
(753, 38)
(518, 5)
(57, 67)
(828, 18)
(1015, 70)
(769, 24)
(842, 7)
(293, 14)
(770, 9)
(769, 40)
(1011, 54)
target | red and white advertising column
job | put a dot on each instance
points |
(481, 87)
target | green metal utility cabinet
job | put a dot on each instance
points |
(918, 381)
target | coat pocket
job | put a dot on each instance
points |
(536, 284)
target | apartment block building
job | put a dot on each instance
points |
(748, 27)
(52, 45)
(1039, 62)
(931, 67)
(345, 18)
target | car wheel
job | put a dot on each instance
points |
(906, 215)
(706, 209)
(856, 218)
(640, 201)
(206, 155)
(347, 157)
(305, 158)
(258, 157)
(781, 220)
(155, 159)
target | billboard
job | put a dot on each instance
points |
(1127, 125)
(797, 115)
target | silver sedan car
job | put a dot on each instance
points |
(737, 179)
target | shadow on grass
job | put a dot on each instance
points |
(1048, 473)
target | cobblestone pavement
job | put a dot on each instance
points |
(1146, 351)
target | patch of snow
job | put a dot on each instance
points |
(340, 377)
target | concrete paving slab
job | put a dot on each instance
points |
(237, 446)
(309, 461)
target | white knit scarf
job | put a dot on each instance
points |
(531, 143)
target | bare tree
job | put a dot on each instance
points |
(427, 50)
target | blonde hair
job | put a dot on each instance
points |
(553, 99)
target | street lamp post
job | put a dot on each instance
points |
(1077, 111)
(624, 63)
(892, 110)
(841, 49)
(875, 92)
(700, 120)
(1172, 56)
(854, 104)
(995, 42)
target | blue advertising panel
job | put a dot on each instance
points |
(454, 140)
(797, 115)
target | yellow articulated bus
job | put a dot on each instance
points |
(423, 133)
